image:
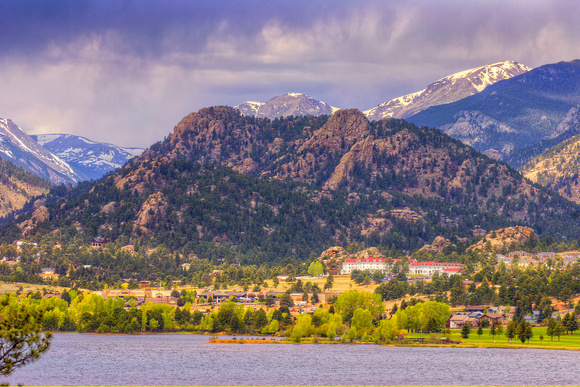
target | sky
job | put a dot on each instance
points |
(126, 72)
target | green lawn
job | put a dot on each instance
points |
(486, 340)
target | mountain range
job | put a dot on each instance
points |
(19, 148)
(90, 159)
(289, 104)
(227, 186)
(60, 158)
(448, 89)
(514, 119)
(505, 109)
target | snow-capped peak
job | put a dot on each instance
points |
(295, 104)
(92, 159)
(448, 89)
(19, 148)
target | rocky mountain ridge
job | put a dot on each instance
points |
(242, 185)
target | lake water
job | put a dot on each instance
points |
(75, 359)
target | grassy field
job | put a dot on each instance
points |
(26, 288)
(501, 341)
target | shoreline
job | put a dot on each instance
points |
(454, 345)
(286, 340)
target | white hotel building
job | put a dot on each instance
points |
(415, 268)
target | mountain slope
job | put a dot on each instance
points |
(289, 104)
(449, 89)
(525, 111)
(91, 159)
(558, 168)
(18, 147)
(224, 185)
(17, 186)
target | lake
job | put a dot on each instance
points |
(76, 359)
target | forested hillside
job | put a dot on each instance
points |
(18, 186)
(558, 168)
(231, 187)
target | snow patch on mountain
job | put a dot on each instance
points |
(289, 104)
(448, 89)
(21, 149)
(93, 159)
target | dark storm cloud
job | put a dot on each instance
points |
(127, 71)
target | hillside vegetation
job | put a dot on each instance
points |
(230, 186)
(17, 186)
(557, 168)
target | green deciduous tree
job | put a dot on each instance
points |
(352, 300)
(315, 269)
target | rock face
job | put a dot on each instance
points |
(480, 131)
(289, 104)
(153, 210)
(496, 240)
(570, 125)
(439, 243)
(449, 89)
(333, 257)
(38, 216)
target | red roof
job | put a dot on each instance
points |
(368, 260)
(442, 264)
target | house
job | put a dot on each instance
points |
(429, 268)
(48, 274)
(546, 255)
(475, 308)
(520, 254)
(215, 296)
(534, 318)
(502, 258)
(571, 257)
(368, 263)
(497, 318)
(20, 244)
(99, 242)
(457, 321)
(474, 319)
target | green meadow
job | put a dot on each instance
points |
(571, 342)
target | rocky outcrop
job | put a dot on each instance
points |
(497, 240)
(439, 243)
(152, 211)
(38, 216)
(407, 215)
(333, 257)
